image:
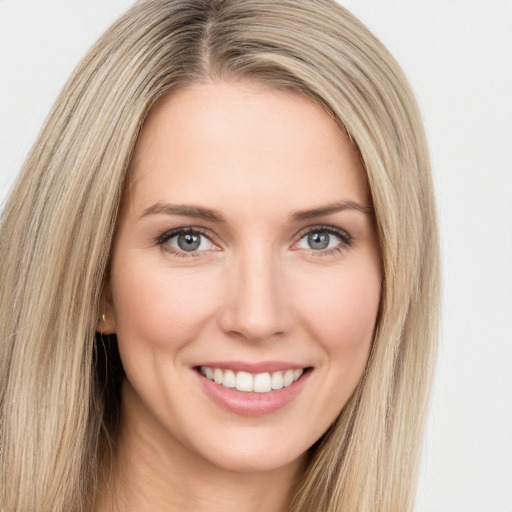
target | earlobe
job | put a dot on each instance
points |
(106, 322)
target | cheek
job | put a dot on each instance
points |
(158, 306)
(342, 313)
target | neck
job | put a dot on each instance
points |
(155, 473)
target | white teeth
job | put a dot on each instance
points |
(218, 375)
(262, 383)
(229, 379)
(288, 378)
(244, 381)
(277, 380)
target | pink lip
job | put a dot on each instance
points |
(252, 367)
(251, 404)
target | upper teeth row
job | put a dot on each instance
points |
(244, 381)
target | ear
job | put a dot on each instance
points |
(106, 313)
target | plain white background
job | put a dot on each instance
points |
(458, 57)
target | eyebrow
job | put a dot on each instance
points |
(187, 210)
(330, 209)
(199, 212)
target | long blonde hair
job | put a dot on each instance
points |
(57, 228)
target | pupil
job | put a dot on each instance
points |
(318, 240)
(189, 241)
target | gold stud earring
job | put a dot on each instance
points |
(103, 317)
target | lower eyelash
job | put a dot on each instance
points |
(180, 254)
(327, 252)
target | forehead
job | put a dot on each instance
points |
(226, 143)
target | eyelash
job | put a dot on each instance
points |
(344, 238)
(165, 237)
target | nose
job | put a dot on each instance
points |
(256, 304)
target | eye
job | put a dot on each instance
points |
(323, 239)
(186, 241)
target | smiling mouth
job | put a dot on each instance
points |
(252, 382)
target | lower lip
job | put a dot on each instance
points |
(251, 403)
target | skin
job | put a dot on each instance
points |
(255, 291)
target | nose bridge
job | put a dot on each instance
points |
(256, 306)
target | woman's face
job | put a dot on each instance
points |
(245, 277)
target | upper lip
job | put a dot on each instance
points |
(252, 367)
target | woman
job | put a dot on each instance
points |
(223, 271)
